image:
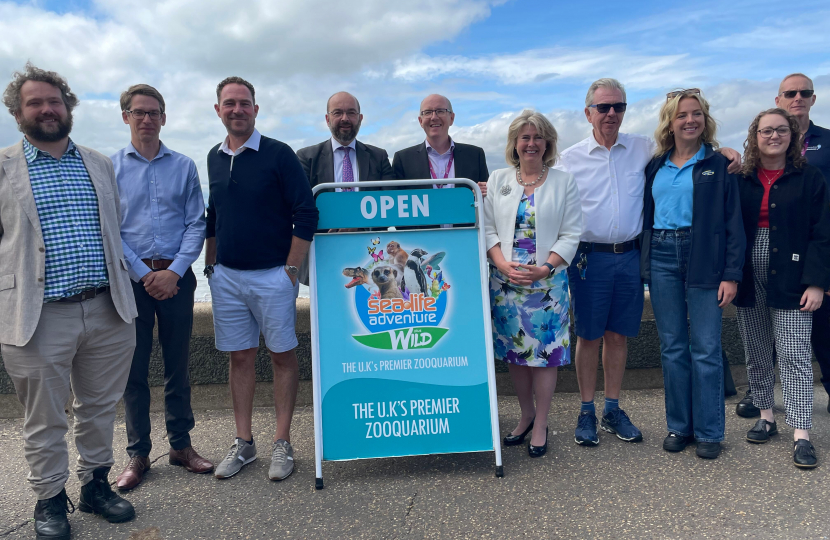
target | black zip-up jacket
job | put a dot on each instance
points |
(799, 236)
(718, 241)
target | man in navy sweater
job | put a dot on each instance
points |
(260, 220)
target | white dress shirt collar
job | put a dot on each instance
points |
(431, 150)
(335, 144)
(593, 144)
(252, 143)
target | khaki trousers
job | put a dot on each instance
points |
(88, 346)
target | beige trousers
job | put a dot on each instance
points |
(88, 346)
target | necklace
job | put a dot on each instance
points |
(519, 176)
(767, 178)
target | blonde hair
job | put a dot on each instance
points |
(664, 136)
(543, 127)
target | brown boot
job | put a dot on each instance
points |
(133, 473)
(190, 460)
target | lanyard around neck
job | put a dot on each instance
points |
(449, 166)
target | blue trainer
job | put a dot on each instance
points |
(617, 422)
(586, 429)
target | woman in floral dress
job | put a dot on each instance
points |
(532, 220)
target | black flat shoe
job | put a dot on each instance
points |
(804, 455)
(676, 443)
(759, 434)
(708, 450)
(746, 408)
(538, 451)
(513, 440)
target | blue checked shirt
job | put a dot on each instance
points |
(67, 206)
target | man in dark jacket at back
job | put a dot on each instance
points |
(439, 157)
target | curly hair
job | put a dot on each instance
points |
(543, 127)
(12, 99)
(664, 136)
(752, 155)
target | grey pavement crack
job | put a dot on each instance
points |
(19, 526)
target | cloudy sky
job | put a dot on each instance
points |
(492, 58)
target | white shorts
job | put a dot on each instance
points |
(247, 302)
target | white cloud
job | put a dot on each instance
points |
(298, 53)
(541, 65)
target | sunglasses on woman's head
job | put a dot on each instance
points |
(676, 93)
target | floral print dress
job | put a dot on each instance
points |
(530, 324)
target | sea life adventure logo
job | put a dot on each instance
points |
(400, 296)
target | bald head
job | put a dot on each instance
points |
(343, 117)
(806, 82)
(434, 101)
(343, 98)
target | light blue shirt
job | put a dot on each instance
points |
(672, 191)
(162, 209)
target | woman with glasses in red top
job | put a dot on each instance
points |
(787, 270)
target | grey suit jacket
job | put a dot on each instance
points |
(22, 252)
(318, 163)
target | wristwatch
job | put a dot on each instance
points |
(550, 268)
(292, 270)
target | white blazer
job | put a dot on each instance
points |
(558, 214)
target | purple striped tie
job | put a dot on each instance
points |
(348, 174)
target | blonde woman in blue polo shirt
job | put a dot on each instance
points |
(692, 258)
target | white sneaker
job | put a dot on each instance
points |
(240, 454)
(282, 460)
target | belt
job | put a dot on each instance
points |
(85, 295)
(158, 264)
(618, 248)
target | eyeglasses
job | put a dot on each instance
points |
(782, 131)
(351, 113)
(790, 94)
(139, 115)
(676, 93)
(603, 108)
(440, 112)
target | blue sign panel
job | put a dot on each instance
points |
(401, 208)
(403, 367)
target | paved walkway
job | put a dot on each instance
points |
(616, 490)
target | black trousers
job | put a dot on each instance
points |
(821, 340)
(175, 316)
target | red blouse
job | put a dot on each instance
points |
(767, 179)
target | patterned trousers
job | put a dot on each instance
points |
(786, 332)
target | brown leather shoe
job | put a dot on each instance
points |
(133, 473)
(190, 460)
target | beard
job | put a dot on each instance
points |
(345, 132)
(34, 130)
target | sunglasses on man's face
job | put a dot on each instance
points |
(676, 93)
(790, 94)
(603, 108)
